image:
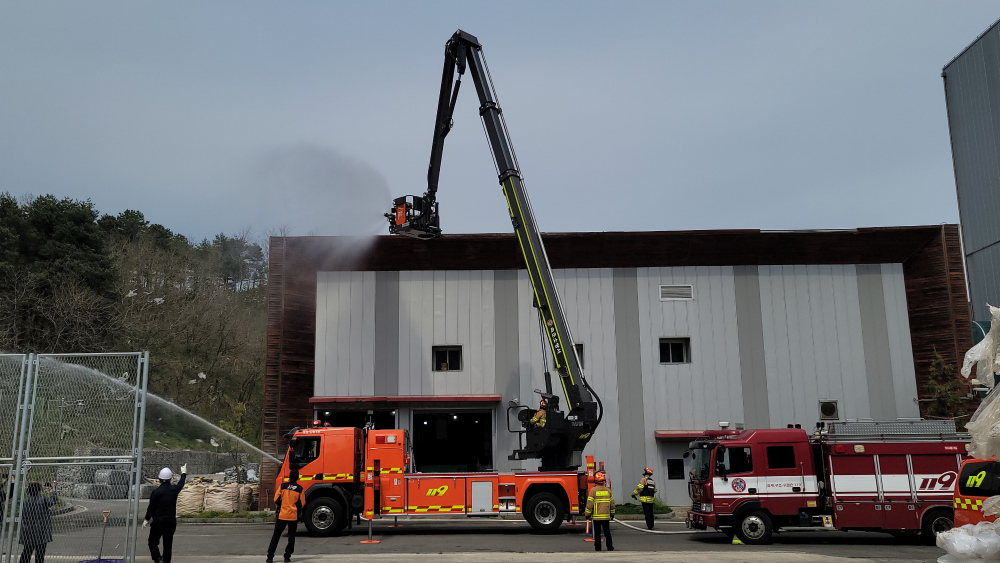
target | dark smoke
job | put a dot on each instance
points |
(315, 190)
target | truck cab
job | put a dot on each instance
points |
(749, 482)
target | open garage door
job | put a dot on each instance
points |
(459, 441)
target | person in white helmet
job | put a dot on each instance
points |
(161, 514)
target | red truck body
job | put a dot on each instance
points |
(347, 472)
(882, 476)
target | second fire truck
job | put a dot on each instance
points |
(894, 477)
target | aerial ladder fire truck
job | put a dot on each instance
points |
(349, 471)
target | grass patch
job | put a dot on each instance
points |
(219, 514)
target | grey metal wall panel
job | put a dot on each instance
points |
(972, 94)
(631, 408)
(507, 361)
(983, 270)
(753, 370)
(878, 366)
(699, 394)
(345, 339)
(812, 336)
(446, 308)
(904, 378)
(386, 333)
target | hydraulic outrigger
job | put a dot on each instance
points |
(560, 444)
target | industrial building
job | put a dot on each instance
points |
(679, 331)
(972, 94)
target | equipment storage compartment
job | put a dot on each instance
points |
(436, 494)
(482, 497)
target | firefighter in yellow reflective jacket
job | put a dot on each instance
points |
(539, 418)
(644, 491)
(601, 509)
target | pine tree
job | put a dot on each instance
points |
(943, 387)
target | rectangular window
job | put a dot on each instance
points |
(675, 350)
(579, 353)
(737, 460)
(304, 451)
(781, 457)
(675, 469)
(446, 358)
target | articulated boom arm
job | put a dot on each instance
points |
(560, 443)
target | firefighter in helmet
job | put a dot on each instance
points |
(644, 491)
(601, 509)
(539, 418)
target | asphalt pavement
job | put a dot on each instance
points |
(492, 540)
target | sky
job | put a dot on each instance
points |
(310, 116)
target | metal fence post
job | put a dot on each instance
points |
(133, 535)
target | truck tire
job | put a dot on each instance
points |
(324, 516)
(544, 512)
(754, 528)
(936, 521)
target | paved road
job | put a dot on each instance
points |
(486, 541)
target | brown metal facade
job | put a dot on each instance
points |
(931, 258)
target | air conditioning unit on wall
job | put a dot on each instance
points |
(828, 410)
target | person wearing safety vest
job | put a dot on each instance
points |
(600, 510)
(644, 491)
(539, 418)
(288, 501)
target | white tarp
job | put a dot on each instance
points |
(986, 354)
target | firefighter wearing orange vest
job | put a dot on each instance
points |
(539, 418)
(288, 502)
(644, 491)
(601, 509)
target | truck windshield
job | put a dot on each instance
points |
(700, 462)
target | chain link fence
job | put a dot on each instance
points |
(76, 466)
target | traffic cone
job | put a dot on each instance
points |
(736, 541)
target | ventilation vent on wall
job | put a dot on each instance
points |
(673, 292)
(828, 410)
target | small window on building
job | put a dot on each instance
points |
(579, 353)
(446, 358)
(737, 460)
(675, 469)
(781, 457)
(675, 350)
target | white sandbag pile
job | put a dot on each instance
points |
(222, 498)
(191, 499)
(971, 542)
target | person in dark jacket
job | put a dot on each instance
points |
(288, 501)
(161, 515)
(36, 523)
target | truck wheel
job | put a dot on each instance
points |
(935, 522)
(754, 528)
(544, 512)
(325, 516)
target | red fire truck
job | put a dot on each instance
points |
(348, 471)
(895, 477)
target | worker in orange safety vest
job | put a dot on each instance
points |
(288, 502)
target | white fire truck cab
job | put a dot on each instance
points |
(895, 477)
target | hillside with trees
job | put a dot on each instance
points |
(73, 280)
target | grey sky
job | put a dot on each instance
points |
(213, 116)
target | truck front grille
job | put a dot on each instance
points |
(696, 506)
